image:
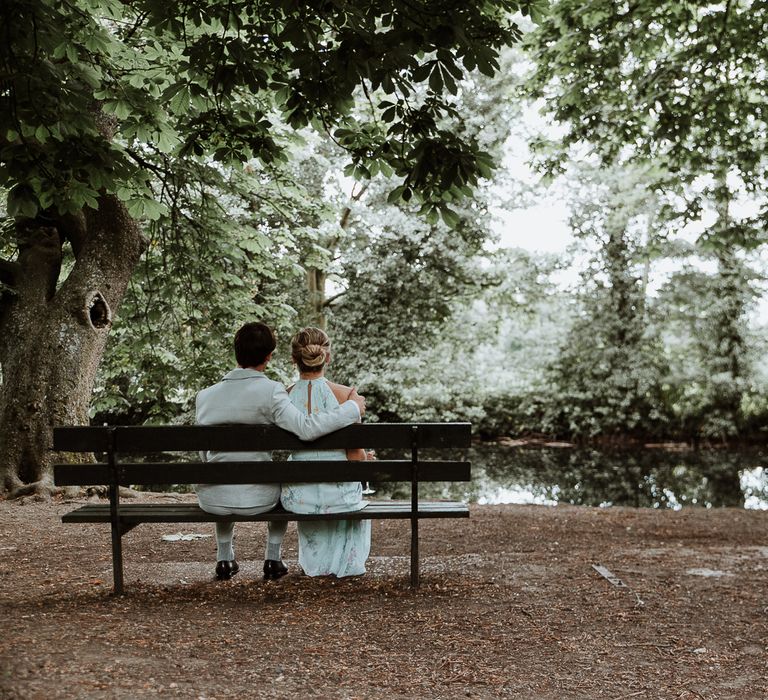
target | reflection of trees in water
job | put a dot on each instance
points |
(647, 478)
(639, 478)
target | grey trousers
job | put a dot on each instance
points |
(225, 532)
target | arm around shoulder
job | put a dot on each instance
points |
(342, 394)
(288, 417)
(345, 394)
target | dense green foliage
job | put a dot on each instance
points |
(608, 370)
(714, 351)
(393, 272)
(224, 79)
(188, 112)
(671, 82)
(668, 88)
(224, 252)
(235, 131)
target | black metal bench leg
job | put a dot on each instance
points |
(114, 514)
(117, 558)
(414, 507)
(117, 534)
(414, 552)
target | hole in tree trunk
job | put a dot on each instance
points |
(99, 313)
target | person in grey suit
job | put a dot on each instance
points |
(247, 396)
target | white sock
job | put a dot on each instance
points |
(225, 551)
(224, 535)
(275, 534)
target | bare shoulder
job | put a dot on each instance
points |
(340, 391)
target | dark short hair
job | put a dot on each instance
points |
(253, 342)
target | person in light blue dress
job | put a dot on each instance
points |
(332, 547)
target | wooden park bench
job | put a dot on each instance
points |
(117, 443)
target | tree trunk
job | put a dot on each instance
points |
(54, 334)
(316, 298)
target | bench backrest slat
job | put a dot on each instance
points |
(233, 438)
(259, 472)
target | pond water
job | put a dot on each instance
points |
(652, 478)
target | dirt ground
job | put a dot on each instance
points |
(510, 606)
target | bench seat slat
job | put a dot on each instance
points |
(190, 512)
(259, 472)
(177, 438)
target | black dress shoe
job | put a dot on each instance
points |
(225, 570)
(274, 569)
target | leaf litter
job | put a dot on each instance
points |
(501, 611)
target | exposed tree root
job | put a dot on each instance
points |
(103, 491)
(42, 490)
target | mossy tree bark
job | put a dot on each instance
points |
(53, 331)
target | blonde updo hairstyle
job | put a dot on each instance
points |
(310, 349)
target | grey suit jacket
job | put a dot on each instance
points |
(246, 396)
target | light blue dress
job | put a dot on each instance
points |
(338, 547)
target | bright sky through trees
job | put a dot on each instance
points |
(540, 223)
(542, 228)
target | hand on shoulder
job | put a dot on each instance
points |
(340, 391)
(345, 393)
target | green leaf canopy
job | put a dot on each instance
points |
(678, 83)
(99, 94)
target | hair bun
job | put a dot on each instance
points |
(310, 349)
(313, 355)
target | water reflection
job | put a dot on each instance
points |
(651, 478)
